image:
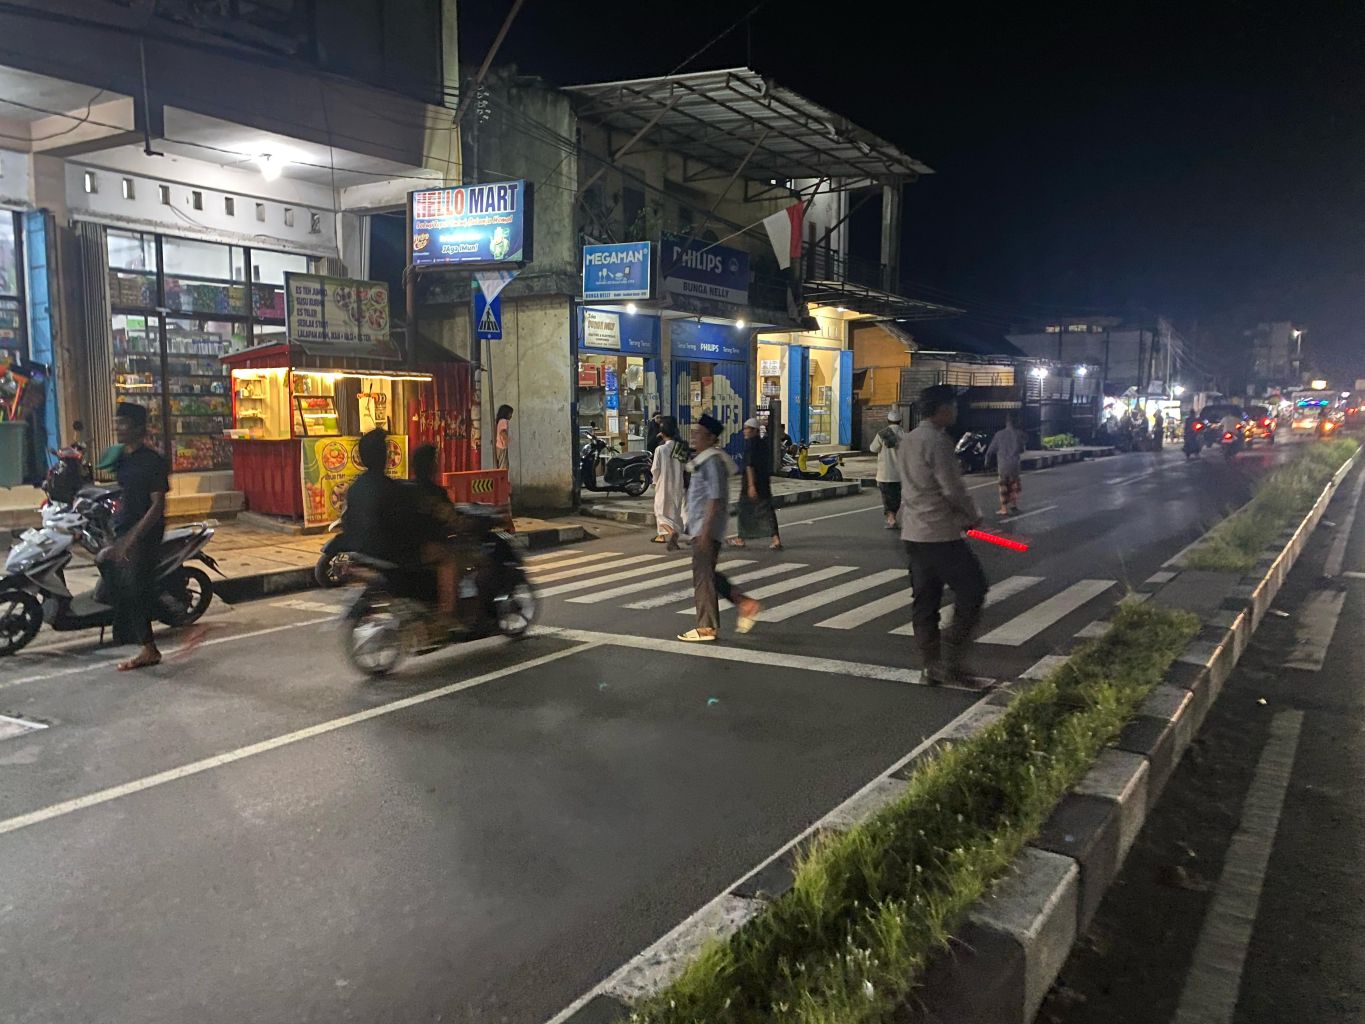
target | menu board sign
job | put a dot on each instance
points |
(329, 466)
(338, 316)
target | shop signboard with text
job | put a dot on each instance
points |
(472, 225)
(700, 270)
(338, 316)
(607, 330)
(329, 466)
(707, 343)
(616, 272)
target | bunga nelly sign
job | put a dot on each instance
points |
(472, 225)
(701, 270)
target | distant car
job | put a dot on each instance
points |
(1214, 415)
(1264, 423)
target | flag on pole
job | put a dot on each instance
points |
(784, 231)
(491, 282)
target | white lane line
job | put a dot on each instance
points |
(1045, 666)
(1006, 588)
(1023, 628)
(1354, 575)
(12, 727)
(635, 588)
(583, 570)
(773, 589)
(801, 605)
(1314, 627)
(564, 563)
(874, 610)
(835, 515)
(686, 593)
(78, 669)
(1006, 520)
(614, 577)
(1336, 555)
(1215, 977)
(103, 796)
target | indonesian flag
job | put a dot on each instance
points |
(784, 231)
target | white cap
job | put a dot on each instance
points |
(751, 424)
(894, 416)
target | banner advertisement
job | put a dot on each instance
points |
(616, 272)
(704, 271)
(328, 467)
(601, 329)
(472, 225)
(708, 343)
(338, 316)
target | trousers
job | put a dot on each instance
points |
(934, 566)
(708, 585)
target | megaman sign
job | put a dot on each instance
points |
(472, 225)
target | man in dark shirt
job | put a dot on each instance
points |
(130, 562)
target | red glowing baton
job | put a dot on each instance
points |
(997, 540)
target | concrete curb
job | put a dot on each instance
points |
(1002, 962)
(643, 517)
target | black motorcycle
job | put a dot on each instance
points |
(394, 615)
(971, 451)
(333, 567)
(628, 472)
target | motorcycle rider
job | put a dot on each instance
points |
(1193, 442)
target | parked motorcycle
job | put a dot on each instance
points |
(70, 472)
(628, 472)
(34, 589)
(796, 463)
(333, 567)
(394, 616)
(971, 451)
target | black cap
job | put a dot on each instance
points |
(710, 424)
(132, 411)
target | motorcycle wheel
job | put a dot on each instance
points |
(332, 570)
(189, 592)
(637, 486)
(516, 611)
(21, 616)
(372, 635)
(834, 474)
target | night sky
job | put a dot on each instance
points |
(1206, 160)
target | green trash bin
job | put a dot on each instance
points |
(13, 452)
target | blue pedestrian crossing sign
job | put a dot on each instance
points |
(487, 317)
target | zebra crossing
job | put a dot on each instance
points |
(792, 590)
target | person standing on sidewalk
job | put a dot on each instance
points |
(1158, 431)
(1007, 448)
(935, 510)
(884, 446)
(757, 517)
(708, 499)
(502, 424)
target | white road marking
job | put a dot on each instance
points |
(1045, 666)
(1006, 588)
(1023, 628)
(635, 588)
(12, 727)
(583, 570)
(615, 577)
(1006, 520)
(773, 589)
(104, 796)
(800, 606)
(1315, 624)
(562, 563)
(1215, 976)
(875, 610)
(1336, 555)
(549, 556)
(1354, 575)
(835, 515)
(78, 669)
(1093, 631)
(686, 593)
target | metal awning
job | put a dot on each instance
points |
(722, 118)
(873, 302)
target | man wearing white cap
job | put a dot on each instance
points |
(888, 473)
(757, 518)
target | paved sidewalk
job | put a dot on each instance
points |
(786, 492)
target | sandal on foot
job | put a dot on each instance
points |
(693, 636)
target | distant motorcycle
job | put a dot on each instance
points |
(628, 472)
(1231, 444)
(1194, 439)
(971, 451)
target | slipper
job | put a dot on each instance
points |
(735, 542)
(661, 539)
(694, 637)
(748, 617)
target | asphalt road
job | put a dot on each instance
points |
(249, 832)
(1243, 900)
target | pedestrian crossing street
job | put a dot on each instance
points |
(835, 597)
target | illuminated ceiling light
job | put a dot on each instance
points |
(841, 309)
(270, 166)
(1081, 371)
(630, 308)
(1319, 385)
(1039, 371)
(740, 324)
(1178, 390)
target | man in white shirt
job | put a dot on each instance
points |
(888, 474)
(935, 510)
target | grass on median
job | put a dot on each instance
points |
(1286, 492)
(870, 906)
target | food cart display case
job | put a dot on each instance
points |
(297, 420)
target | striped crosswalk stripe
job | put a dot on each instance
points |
(596, 581)
(635, 588)
(1007, 587)
(584, 570)
(874, 609)
(1023, 628)
(560, 563)
(550, 556)
(801, 605)
(685, 593)
(774, 589)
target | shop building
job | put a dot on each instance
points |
(162, 176)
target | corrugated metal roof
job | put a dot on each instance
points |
(717, 117)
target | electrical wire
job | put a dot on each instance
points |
(84, 119)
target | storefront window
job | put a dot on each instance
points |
(612, 398)
(267, 292)
(11, 284)
(823, 408)
(203, 277)
(137, 369)
(198, 392)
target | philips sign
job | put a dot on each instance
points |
(616, 272)
(699, 270)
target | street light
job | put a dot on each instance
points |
(1318, 385)
(1081, 371)
(1039, 371)
(1178, 390)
